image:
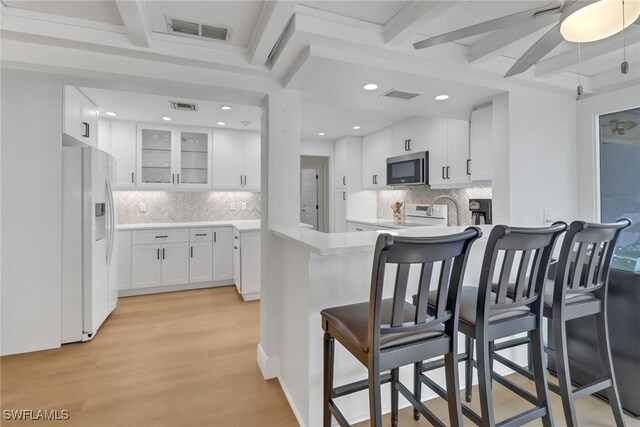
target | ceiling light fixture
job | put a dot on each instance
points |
(167, 119)
(111, 114)
(321, 134)
(583, 22)
(356, 127)
(222, 124)
(370, 86)
(442, 97)
(225, 107)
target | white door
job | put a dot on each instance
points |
(383, 148)
(195, 158)
(146, 266)
(340, 212)
(309, 197)
(123, 148)
(418, 135)
(155, 157)
(401, 138)
(250, 262)
(175, 263)
(369, 153)
(223, 267)
(123, 242)
(200, 262)
(73, 113)
(458, 153)
(438, 151)
(481, 144)
(237, 272)
(251, 162)
(340, 163)
(228, 158)
(90, 123)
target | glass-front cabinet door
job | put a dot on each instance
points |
(194, 158)
(155, 154)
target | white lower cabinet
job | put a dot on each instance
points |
(123, 242)
(200, 265)
(223, 253)
(340, 212)
(146, 266)
(175, 264)
(246, 263)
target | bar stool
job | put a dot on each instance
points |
(580, 290)
(488, 314)
(384, 334)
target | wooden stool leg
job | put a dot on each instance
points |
(329, 347)
(453, 388)
(604, 349)
(375, 401)
(468, 369)
(395, 375)
(417, 387)
(562, 368)
(484, 382)
(536, 352)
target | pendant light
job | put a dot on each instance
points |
(624, 67)
(579, 89)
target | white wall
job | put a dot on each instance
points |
(538, 173)
(316, 147)
(31, 219)
(588, 110)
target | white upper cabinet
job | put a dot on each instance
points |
(341, 163)
(123, 148)
(156, 147)
(251, 156)
(236, 160)
(411, 136)
(194, 158)
(448, 152)
(376, 147)
(80, 117)
(348, 163)
(481, 144)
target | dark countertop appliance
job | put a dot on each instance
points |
(410, 169)
(480, 211)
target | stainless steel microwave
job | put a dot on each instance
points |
(409, 169)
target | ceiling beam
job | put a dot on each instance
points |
(404, 23)
(273, 19)
(136, 21)
(491, 46)
(564, 61)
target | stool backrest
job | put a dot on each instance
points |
(585, 257)
(450, 251)
(520, 259)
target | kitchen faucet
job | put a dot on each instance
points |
(452, 200)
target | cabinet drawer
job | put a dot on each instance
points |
(201, 235)
(160, 236)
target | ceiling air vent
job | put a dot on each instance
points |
(398, 94)
(183, 106)
(181, 27)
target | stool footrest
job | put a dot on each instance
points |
(430, 416)
(338, 415)
(523, 418)
(511, 343)
(354, 387)
(514, 366)
(589, 389)
(515, 388)
(466, 411)
(439, 363)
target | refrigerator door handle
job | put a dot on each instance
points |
(112, 222)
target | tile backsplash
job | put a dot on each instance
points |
(184, 206)
(426, 195)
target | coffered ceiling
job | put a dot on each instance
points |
(327, 49)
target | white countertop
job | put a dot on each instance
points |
(359, 241)
(387, 223)
(246, 225)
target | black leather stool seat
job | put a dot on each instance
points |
(352, 321)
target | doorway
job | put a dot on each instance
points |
(314, 208)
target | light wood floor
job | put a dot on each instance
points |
(186, 359)
(176, 359)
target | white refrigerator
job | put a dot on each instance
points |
(89, 270)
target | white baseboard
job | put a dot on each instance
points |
(252, 296)
(172, 288)
(268, 365)
(294, 409)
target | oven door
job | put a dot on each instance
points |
(410, 169)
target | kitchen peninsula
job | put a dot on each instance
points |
(315, 271)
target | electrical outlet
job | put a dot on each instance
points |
(232, 205)
(244, 206)
(546, 217)
(142, 206)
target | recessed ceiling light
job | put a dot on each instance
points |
(167, 119)
(225, 107)
(356, 127)
(370, 86)
(442, 97)
(222, 124)
(321, 134)
(111, 113)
